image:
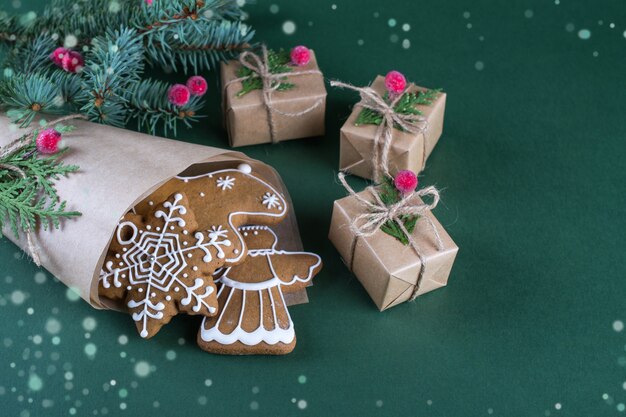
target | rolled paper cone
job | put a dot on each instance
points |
(119, 168)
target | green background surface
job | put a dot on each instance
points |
(532, 168)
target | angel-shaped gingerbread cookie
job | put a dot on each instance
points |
(253, 317)
(160, 264)
(222, 201)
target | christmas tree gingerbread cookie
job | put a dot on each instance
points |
(160, 264)
(253, 317)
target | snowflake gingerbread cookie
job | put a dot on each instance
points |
(161, 264)
(253, 317)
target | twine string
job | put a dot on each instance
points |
(259, 65)
(412, 123)
(18, 145)
(376, 214)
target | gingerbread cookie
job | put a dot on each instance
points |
(253, 317)
(161, 263)
(223, 200)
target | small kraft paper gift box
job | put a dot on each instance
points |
(409, 134)
(391, 271)
(273, 96)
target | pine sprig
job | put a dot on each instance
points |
(406, 105)
(278, 63)
(390, 195)
(31, 200)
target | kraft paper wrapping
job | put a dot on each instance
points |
(119, 168)
(386, 268)
(246, 117)
(407, 150)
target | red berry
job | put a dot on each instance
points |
(197, 85)
(48, 141)
(179, 95)
(395, 82)
(300, 55)
(57, 56)
(405, 181)
(73, 61)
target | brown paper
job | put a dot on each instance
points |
(386, 268)
(119, 168)
(246, 117)
(356, 148)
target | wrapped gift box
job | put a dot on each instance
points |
(246, 117)
(408, 151)
(387, 269)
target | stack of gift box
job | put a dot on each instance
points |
(385, 234)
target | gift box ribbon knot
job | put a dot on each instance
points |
(259, 65)
(411, 123)
(377, 214)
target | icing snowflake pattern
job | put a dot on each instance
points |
(226, 183)
(271, 200)
(217, 240)
(153, 259)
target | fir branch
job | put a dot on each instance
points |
(190, 34)
(113, 64)
(28, 95)
(71, 88)
(277, 63)
(31, 57)
(198, 45)
(162, 14)
(147, 102)
(406, 105)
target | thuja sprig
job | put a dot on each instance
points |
(278, 63)
(28, 197)
(405, 105)
(391, 191)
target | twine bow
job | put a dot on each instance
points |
(259, 65)
(411, 123)
(16, 146)
(377, 214)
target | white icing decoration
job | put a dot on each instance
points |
(226, 183)
(252, 211)
(271, 201)
(245, 168)
(260, 334)
(217, 240)
(194, 295)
